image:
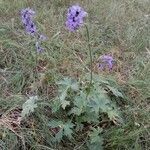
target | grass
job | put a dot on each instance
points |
(117, 27)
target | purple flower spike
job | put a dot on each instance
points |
(38, 47)
(27, 19)
(75, 17)
(42, 37)
(31, 28)
(27, 15)
(106, 60)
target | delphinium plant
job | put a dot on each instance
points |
(86, 103)
(66, 92)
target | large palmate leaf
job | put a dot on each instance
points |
(29, 106)
(96, 140)
(69, 83)
(95, 135)
(65, 129)
(68, 129)
(64, 86)
(80, 104)
(110, 83)
(98, 101)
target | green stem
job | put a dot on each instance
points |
(90, 53)
(36, 69)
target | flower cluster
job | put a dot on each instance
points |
(27, 19)
(38, 43)
(106, 61)
(27, 15)
(75, 17)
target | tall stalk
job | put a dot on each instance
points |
(90, 54)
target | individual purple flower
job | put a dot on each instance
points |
(42, 37)
(106, 61)
(38, 47)
(27, 14)
(31, 28)
(75, 17)
(27, 19)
